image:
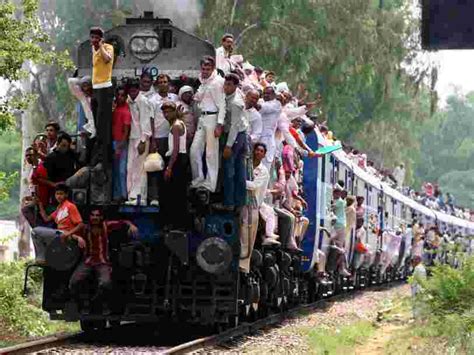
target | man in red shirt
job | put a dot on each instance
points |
(96, 259)
(68, 221)
(39, 186)
(121, 121)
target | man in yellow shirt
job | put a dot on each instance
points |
(102, 64)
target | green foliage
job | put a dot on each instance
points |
(448, 298)
(447, 148)
(15, 311)
(22, 40)
(10, 162)
(338, 341)
(353, 52)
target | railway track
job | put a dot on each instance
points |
(168, 341)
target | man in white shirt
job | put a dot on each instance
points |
(257, 188)
(160, 129)
(140, 133)
(146, 85)
(211, 99)
(270, 110)
(186, 104)
(399, 174)
(224, 52)
(253, 116)
(419, 276)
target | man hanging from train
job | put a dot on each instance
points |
(68, 221)
(160, 129)
(256, 188)
(138, 144)
(102, 64)
(211, 99)
(235, 144)
(338, 239)
(270, 110)
(96, 261)
(253, 116)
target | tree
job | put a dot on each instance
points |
(364, 59)
(21, 41)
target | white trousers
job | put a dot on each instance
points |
(136, 174)
(269, 216)
(204, 140)
(248, 233)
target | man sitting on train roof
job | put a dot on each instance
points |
(211, 99)
(68, 221)
(95, 242)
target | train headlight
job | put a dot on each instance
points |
(152, 44)
(214, 255)
(145, 45)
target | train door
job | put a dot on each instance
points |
(372, 221)
(330, 179)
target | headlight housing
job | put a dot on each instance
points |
(145, 45)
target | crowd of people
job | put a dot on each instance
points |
(431, 196)
(238, 134)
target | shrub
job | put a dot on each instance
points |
(448, 298)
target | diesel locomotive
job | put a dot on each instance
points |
(193, 275)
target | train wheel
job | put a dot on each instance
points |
(89, 326)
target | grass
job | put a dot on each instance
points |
(323, 340)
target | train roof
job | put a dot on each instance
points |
(395, 194)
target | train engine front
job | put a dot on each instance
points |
(188, 273)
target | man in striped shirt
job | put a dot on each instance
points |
(96, 259)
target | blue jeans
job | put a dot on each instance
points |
(235, 172)
(119, 171)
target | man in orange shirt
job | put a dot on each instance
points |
(68, 221)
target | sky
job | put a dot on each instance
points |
(456, 70)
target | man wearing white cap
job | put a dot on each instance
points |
(186, 94)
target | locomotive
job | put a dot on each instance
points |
(193, 275)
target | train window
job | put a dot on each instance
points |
(167, 38)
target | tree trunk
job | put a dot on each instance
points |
(28, 134)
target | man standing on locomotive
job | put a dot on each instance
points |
(102, 63)
(211, 99)
(140, 133)
(186, 104)
(224, 52)
(96, 258)
(235, 138)
(160, 129)
(270, 110)
(253, 116)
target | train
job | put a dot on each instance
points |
(193, 275)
